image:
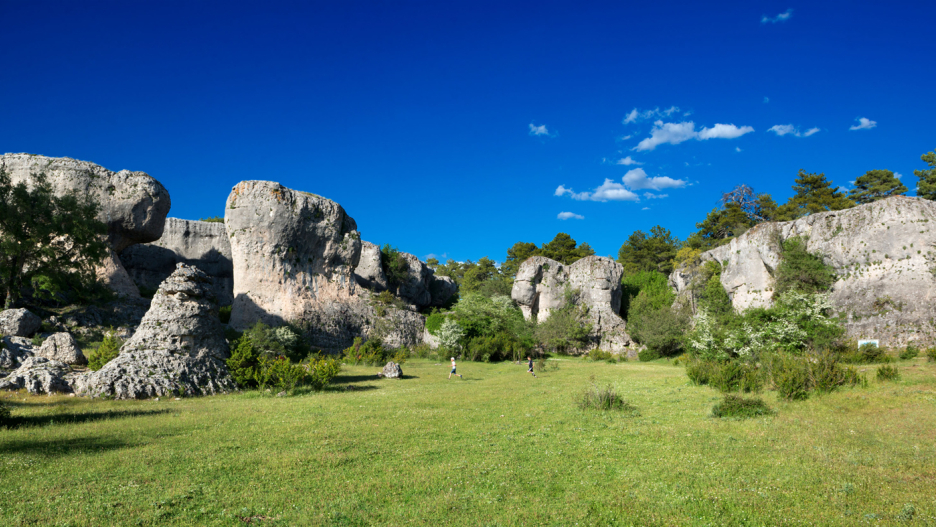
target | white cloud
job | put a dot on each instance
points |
(675, 133)
(570, 216)
(650, 195)
(737, 149)
(626, 137)
(766, 99)
(645, 208)
(560, 190)
(863, 124)
(538, 130)
(784, 129)
(610, 191)
(782, 17)
(637, 179)
(898, 175)
(627, 161)
(636, 115)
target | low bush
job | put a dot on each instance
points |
(647, 355)
(600, 355)
(735, 406)
(604, 398)
(495, 348)
(370, 353)
(264, 357)
(887, 373)
(320, 371)
(105, 352)
(727, 376)
(224, 313)
(434, 322)
(866, 354)
(4, 414)
(910, 352)
(795, 378)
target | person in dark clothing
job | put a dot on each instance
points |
(530, 363)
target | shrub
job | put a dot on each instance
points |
(320, 371)
(800, 270)
(910, 352)
(224, 313)
(931, 354)
(394, 266)
(213, 219)
(265, 357)
(866, 354)
(660, 328)
(740, 408)
(502, 346)
(653, 284)
(109, 349)
(4, 414)
(279, 373)
(796, 377)
(434, 323)
(244, 363)
(888, 373)
(604, 398)
(599, 355)
(647, 355)
(369, 353)
(565, 330)
(450, 335)
(726, 376)
(791, 377)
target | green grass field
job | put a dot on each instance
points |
(497, 448)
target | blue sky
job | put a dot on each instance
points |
(460, 128)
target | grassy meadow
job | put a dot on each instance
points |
(495, 448)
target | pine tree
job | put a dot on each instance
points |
(927, 185)
(814, 193)
(875, 185)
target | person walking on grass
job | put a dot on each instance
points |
(530, 364)
(453, 370)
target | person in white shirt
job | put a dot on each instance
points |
(453, 369)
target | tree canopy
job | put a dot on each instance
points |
(814, 193)
(875, 185)
(649, 253)
(926, 188)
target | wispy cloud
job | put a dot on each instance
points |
(737, 149)
(635, 180)
(645, 208)
(570, 216)
(626, 137)
(538, 130)
(863, 124)
(638, 179)
(675, 133)
(608, 191)
(637, 115)
(766, 99)
(789, 129)
(782, 17)
(627, 161)
(650, 195)
(898, 175)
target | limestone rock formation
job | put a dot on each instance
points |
(179, 347)
(882, 252)
(61, 347)
(200, 243)
(441, 289)
(133, 204)
(39, 375)
(18, 322)
(14, 351)
(415, 288)
(392, 370)
(369, 273)
(112, 274)
(543, 284)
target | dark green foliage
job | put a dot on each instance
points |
(649, 253)
(600, 355)
(866, 354)
(244, 363)
(887, 373)
(434, 322)
(741, 209)
(4, 414)
(907, 512)
(33, 222)
(926, 188)
(385, 299)
(876, 185)
(370, 353)
(605, 398)
(654, 283)
(648, 354)
(213, 219)
(737, 407)
(498, 347)
(910, 352)
(726, 376)
(814, 193)
(931, 354)
(394, 266)
(790, 377)
(224, 314)
(109, 349)
(516, 255)
(800, 270)
(485, 278)
(657, 325)
(269, 357)
(564, 331)
(711, 294)
(564, 249)
(795, 378)
(279, 373)
(147, 292)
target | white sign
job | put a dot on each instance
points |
(863, 342)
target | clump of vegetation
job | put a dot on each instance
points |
(737, 407)
(601, 355)
(278, 358)
(370, 352)
(213, 219)
(604, 398)
(887, 373)
(385, 299)
(931, 354)
(800, 270)
(4, 414)
(910, 352)
(867, 353)
(726, 376)
(434, 322)
(105, 352)
(224, 313)
(652, 320)
(394, 266)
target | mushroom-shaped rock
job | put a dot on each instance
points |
(179, 347)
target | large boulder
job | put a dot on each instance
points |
(133, 204)
(369, 272)
(881, 252)
(18, 322)
(179, 347)
(543, 285)
(392, 370)
(200, 243)
(39, 375)
(61, 347)
(14, 351)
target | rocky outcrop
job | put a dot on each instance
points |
(543, 285)
(39, 376)
(14, 351)
(882, 253)
(441, 290)
(61, 347)
(179, 347)
(200, 243)
(369, 273)
(18, 322)
(420, 288)
(112, 274)
(133, 204)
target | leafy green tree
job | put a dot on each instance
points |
(49, 242)
(452, 269)
(563, 249)
(927, 185)
(814, 193)
(649, 253)
(654, 283)
(800, 270)
(719, 227)
(484, 277)
(516, 255)
(432, 263)
(875, 185)
(394, 266)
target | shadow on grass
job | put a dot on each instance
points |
(61, 447)
(68, 418)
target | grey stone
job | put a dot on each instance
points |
(441, 289)
(179, 347)
(18, 322)
(392, 370)
(200, 243)
(415, 288)
(369, 272)
(883, 256)
(133, 204)
(61, 347)
(542, 284)
(39, 376)
(14, 351)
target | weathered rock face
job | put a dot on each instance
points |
(292, 251)
(113, 274)
(541, 284)
(14, 351)
(39, 375)
(441, 289)
(416, 287)
(18, 322)
(200, 243)
(882, 252)
(179, 347)
(61, 347)
(369, 273)
(133, 204)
